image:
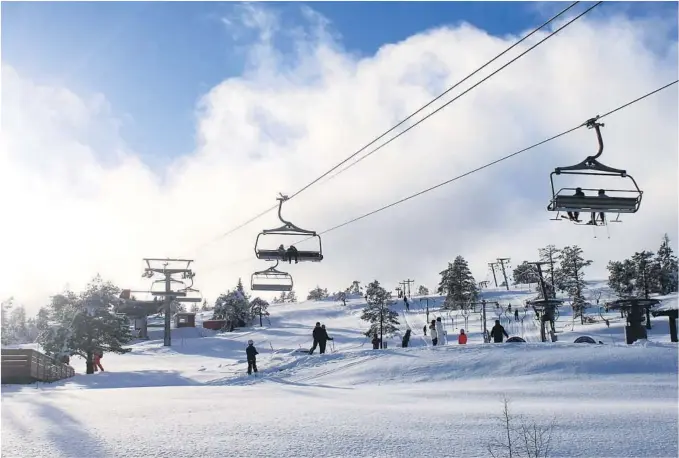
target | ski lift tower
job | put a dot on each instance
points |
(168, 268)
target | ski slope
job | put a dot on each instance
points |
(195, 400)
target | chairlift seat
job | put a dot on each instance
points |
(275, 255)
(271, 280)
(269, 287)
(595, 204)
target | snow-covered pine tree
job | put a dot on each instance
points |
(67, 326)
(317, 294)
(620, 277)
(667, 267)
(383, 321)
(444, 284)
(292, 297)
(460, 287)
(422, 290)
(233, 307)
(647, 278)
(18, 326)
(205, 307)
(281, 298)
(194, 308)
(6, 311)
(572, 266)
(355, 288)
(525, 274)
(552, 274)
(259, 308)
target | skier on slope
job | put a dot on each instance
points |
(432, 331)
(497, 332)
(462, 338)
(440, 332)
(317, 334)
(323, 341)
(96, 360)
(376, 342)
(406, 339)
(251, 353)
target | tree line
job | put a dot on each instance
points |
(563, 270)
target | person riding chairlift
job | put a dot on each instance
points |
(573, 216)
(602, 215)
(292, 252)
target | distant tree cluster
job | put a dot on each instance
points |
(563, 270)
(16, 328)
(355, 288)
(285, 297)
(235, 307)
(645, 273)
(318, 294)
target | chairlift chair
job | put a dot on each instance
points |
(271, 279)
(288, 229)
(629, 200)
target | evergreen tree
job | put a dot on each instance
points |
(552, 274)
(194, 308)
(647, 278)
(445, 282)
(239, 287)
(459, 284)
(422, 290)
(317, 294)
(6, 311)
(525, 274)
(668, 272)
(259, 308)
(383, 321)
(18, 326)
(355, 288)
(620, 277)
(292, 297)
(572, 266)
(233, 306)
(80, 324)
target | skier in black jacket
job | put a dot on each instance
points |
(251, 353)
(406, 339)
(497, 331)
(318, 333)
(324, 339)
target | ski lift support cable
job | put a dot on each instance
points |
(489, 164)
(524, 38)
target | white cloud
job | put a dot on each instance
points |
(77, 201)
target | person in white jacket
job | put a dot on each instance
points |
(440, 332)
(433, 333)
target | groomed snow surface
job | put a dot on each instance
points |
(195, 399)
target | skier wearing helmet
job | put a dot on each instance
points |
(251, 353)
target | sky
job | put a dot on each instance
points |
(136, 129)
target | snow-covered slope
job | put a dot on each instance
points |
(194, 399)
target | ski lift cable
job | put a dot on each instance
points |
(504, 158)
(468, 90)
(552, 19)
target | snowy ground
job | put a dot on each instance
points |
(194, 400)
